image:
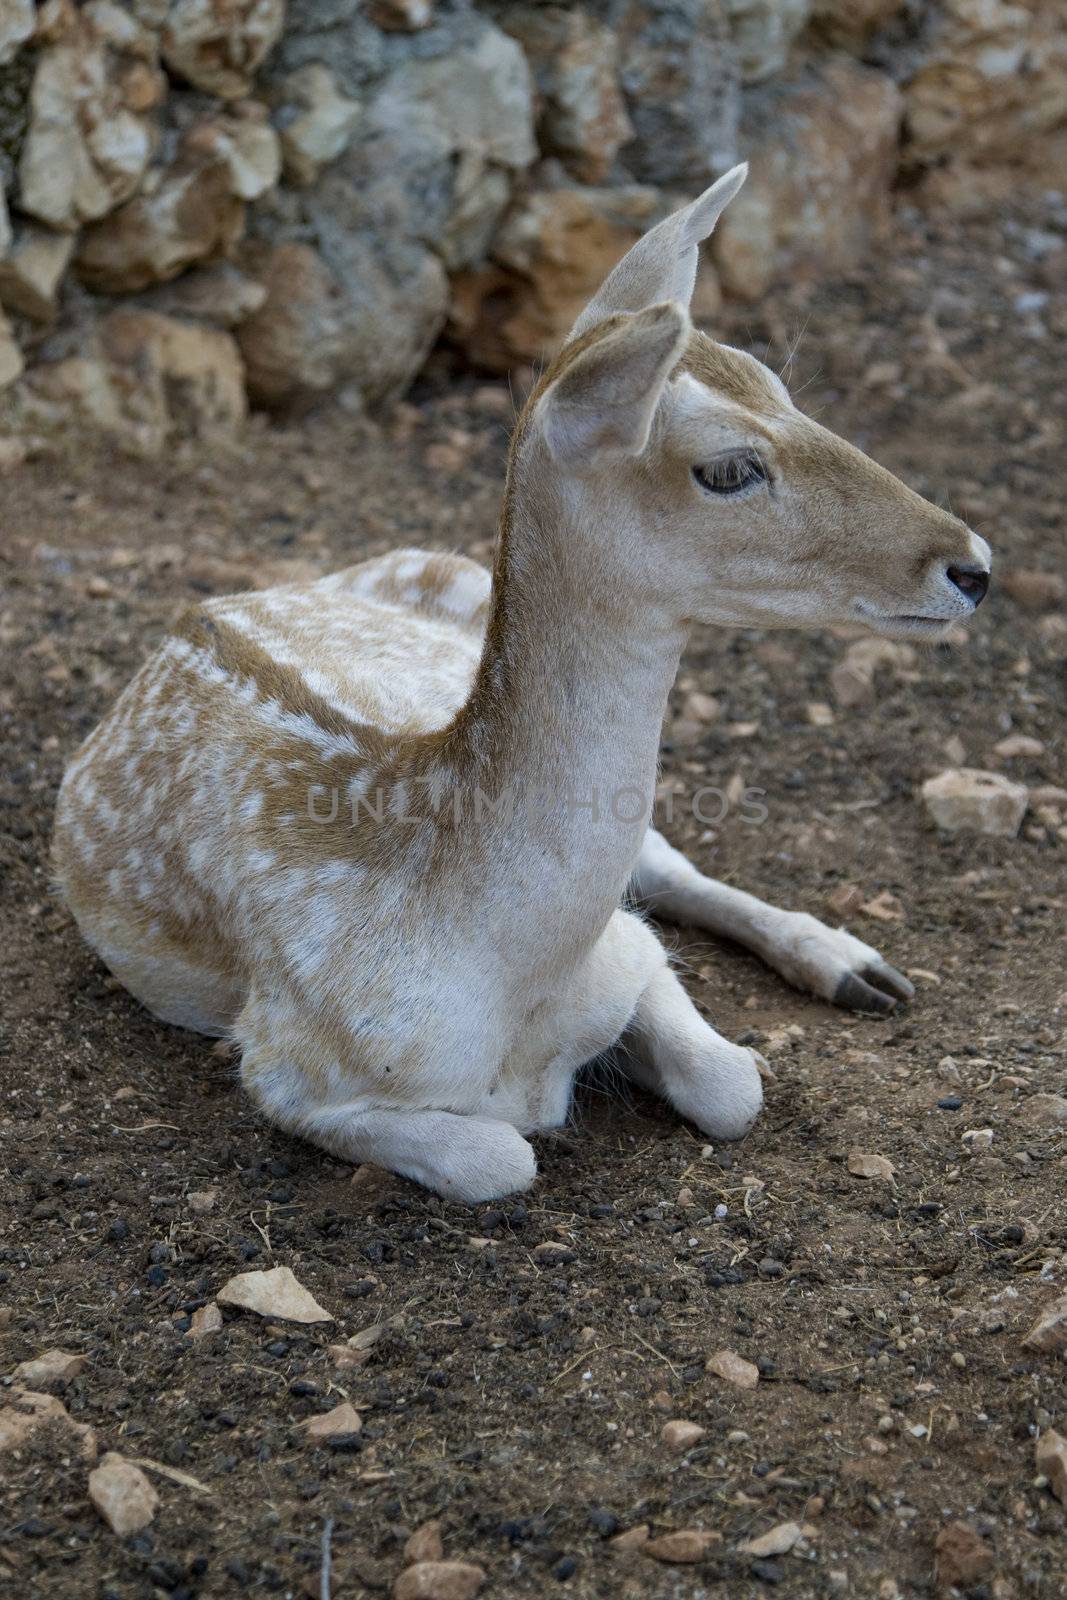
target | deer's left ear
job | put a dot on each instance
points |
(662, 265)
(602, 404)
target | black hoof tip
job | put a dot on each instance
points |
(854, 994)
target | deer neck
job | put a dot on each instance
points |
(565, 717)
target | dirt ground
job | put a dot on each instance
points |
(518, 1399)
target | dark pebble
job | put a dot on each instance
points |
(951, 1102)
(516, 1530)
(360, 1290)
(157, 1276)
(278, 1347)
(118, 1230)
(303, 1386)
(34, 1528)
(718, 1280)
(280, 1196)
(277, 1169)
(565, 1569)
(345, 1443)
(770, 1268)
(603, 1521)
(167, 1574)
(601, 1211)
(767, 1571)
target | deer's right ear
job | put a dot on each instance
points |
(662, 265)
(603, 403)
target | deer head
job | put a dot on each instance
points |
(686, 463)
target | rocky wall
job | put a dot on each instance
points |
(209, 205)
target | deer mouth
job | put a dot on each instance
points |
(915, 624)
(918, 624)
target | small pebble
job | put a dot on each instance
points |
(52, 1366)
(425, 1544)
(866, 1164)
(680, 1548)
(632, 1538)
(206, 1320)
(733, 1369)
(777, 1541)
(439, 1580)
(342, 1422)
(553, 1252)
(122, 1495)
(679, 1435)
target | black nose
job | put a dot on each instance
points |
(970, 581)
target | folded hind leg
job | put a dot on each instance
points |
(173, 986)
(468, 1159)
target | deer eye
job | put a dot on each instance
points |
(731, 474)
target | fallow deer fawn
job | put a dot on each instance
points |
(352, 824)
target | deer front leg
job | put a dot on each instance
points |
(669, 1049)
(827, 961)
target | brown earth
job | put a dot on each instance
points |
(522, 1401)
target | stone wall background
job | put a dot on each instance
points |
(209, 205)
